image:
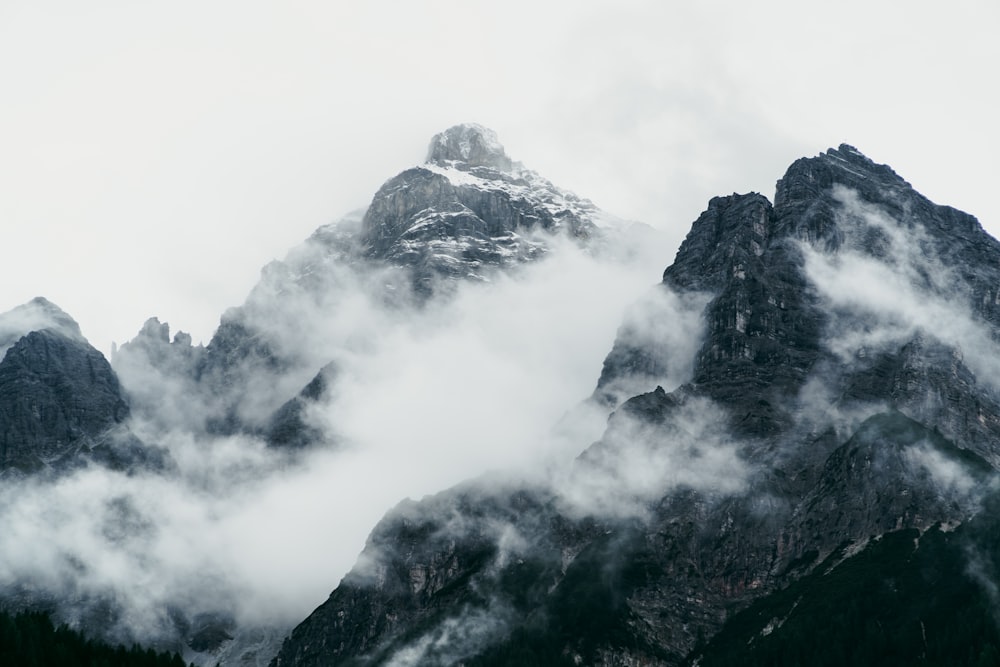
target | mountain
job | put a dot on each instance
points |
(119, 472)
(60, 402)
(834, 428)
(798, 464)
(465, 214)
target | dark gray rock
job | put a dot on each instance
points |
(425, 569)
(468, 211)
(290, 427)
(58, 394)
(876, 483)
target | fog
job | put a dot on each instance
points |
(423, 398)
(638, 463)
(885, 299)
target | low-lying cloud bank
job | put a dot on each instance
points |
(420, 403)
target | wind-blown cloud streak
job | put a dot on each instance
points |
(887, 284)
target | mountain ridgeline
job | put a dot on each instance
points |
(842, 395)
(798, 464)
(60, 401)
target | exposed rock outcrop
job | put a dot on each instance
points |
(58, 395)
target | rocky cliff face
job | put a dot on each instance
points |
(58, 395)
(844, 389)
(468, 210)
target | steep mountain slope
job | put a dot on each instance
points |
(845, 389)
(904, 598)
(468, 212)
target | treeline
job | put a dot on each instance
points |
(30, 639)
(908, 599)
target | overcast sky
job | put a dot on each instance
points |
(155, 155)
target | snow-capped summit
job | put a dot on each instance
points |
(470, 209)
(469, 144)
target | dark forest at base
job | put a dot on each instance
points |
(30, 639)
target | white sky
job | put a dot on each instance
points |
(155, 155)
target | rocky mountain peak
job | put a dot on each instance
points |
(154, 330)
(36, 315)
(468, 211)
(735, 230)
(729, 235)
(58, 395)
(469, 144)
(807, 179)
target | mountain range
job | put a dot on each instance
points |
(795, 459)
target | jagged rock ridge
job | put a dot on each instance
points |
(816, 416)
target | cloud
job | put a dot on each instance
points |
(656, 344)
(638, 461)
(36, 315)
(950, 476)
(887, 285)
(423, 399)
(457, 637)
